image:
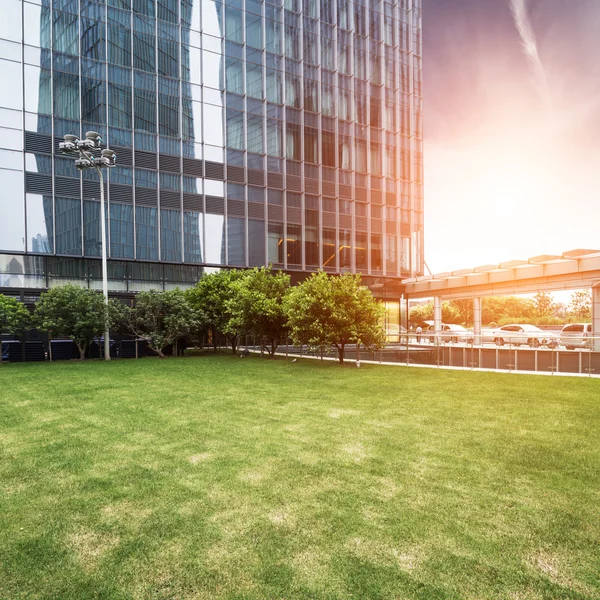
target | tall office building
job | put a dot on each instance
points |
(247, 132)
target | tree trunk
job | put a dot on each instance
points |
(273, 348)
(214, 339)
(159, 352)
(341, 353)
(233, 344)
(81, 351)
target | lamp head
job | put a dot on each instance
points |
(70, 145)
(108, 158)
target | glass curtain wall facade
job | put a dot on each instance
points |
(247, 132)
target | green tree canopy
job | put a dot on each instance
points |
(424, 312)
(580, 306)
(499, 309)
(544, 304)
(74, 312)
(328, 310)
(257, 306)
(14, 317)
(210, 298)
(161, 318)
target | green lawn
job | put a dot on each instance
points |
(215, 477)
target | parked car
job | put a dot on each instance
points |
(576, 335)
(451, 333)
(531, 335)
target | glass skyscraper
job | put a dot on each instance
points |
(247, 132)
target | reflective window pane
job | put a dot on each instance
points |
(146, 232)
(215, 239)
(121, 231)
(170, 234)
(192, 241)
(256, 243)
(68, 225)
(236, 241)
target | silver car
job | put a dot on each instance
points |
(452, 333)
(576, 335)
(519, 334)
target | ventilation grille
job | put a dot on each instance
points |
(64, 186)
(294, 215)
(192, 202)
(121, 193)
(170, 163)
(275, 180)
(360, 194)
(214, 170)
(146, 160)
(170, 199)
(235, 208)
(361, 224)
(276, 213)
(294, 183)
(328, 219)
(215, 206)
(38, 142)
(145, 197)
(346, 191)
(39, 184)
(256, 177)
(91, 189)
(311, 186)
(345, 222)
(124, 156)
(328, 189)
(235, 174)
(192, 166)
(256, 210)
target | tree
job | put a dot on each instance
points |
(506, 308)
(14, 317)
(74, 312)
(464, 310)
(424, 312)
(161, 318)
(544, 304)
(328, 310)
(257, 306)
(580, 306)
(209, 299)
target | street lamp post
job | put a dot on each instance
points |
(88, 155)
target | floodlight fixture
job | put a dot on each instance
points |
(86, 153)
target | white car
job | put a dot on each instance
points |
(576, 335)
(531, 335)
(452, 333)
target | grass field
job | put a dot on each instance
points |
(214, 477)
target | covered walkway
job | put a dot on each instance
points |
(575, 269)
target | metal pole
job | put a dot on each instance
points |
(104, 266)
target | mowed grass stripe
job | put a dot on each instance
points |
(214, 477)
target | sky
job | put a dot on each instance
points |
(512, 129)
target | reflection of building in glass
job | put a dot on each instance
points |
(40, 245)
(247, 133)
